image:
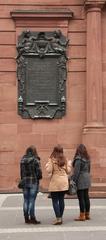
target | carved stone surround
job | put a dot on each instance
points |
(40, 18)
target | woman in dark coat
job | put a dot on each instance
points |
(81, 176)
(30, 171)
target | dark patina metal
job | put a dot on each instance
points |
(41, 72)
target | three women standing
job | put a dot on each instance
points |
(58, 168)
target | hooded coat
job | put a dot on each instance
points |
(58, 175)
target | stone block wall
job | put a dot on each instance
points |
(16, 134)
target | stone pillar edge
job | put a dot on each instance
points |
(94, 6)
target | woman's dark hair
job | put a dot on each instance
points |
(59, 155)
(32, 151)
(81, 151)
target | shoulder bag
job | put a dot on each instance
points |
(72, 190)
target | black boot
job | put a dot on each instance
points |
(27, 220)
(34, 221)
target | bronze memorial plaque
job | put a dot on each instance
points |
(41, 73)
(41, 79)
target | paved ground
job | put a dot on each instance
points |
(12, 224)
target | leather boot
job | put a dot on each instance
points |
(87, 216)
(58, 221)
(81, 217)
(34, 221)
(27, 220)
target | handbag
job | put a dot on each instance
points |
(72, 190)
(21, 184)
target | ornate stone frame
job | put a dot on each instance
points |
(42, 45)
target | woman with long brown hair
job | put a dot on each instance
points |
(59, 168)
(81, 176)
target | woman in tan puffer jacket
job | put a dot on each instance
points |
(58, 169)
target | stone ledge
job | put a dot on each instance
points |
(98, 190)
(42, 13)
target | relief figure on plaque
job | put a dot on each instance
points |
(57, 44)
(26, 43)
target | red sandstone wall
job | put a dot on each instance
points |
(15, 133)
(104, 61)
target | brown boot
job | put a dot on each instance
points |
(87, 216)
(58, 221)
(81, 217)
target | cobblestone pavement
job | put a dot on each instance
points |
(12, 224)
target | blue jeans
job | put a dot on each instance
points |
(30, 195)
(58, 203)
